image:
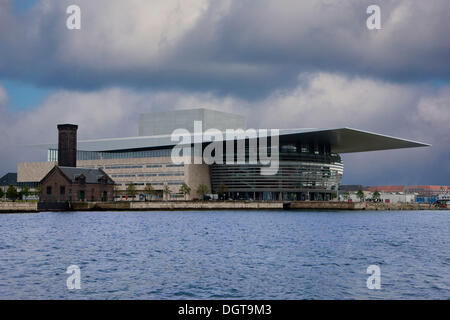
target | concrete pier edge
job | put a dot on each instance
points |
(30, 207)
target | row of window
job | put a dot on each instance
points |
(123, 175)
(173, 174)
(113, 167)
(62, 190)
(158, 183)
(123, 167)
(133, 166)
(94, 155)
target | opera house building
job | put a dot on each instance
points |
(308, 162)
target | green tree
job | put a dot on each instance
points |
(222, 189)
(202, 190)
(117, 191)
(1, 193)
(12, 193)
(166, 191)
(131, 190)
(185, 190)
(376, 195)
(346, 195)
(38, 190)
(149, 190)
(26, 191)
(360, 195)
(156, 192)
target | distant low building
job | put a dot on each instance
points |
(389, 197)
(10, 179)
(386, 197)
(67, 184)
(394, 194)
(429, 191)
(424, 190)
(386, 189)
(351, 187)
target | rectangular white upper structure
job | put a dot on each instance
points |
(163, 123)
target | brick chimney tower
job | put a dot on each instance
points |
(67, 145)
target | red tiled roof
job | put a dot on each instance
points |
(386, 188)
(429, 188)
(412, 189)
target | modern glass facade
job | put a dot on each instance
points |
(294, 181)
(97, 155)
(307, 171)
(301, 176)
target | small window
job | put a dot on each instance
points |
(49, 190)
(62, 190)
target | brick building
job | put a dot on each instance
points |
(66, 184)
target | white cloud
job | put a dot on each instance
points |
(319, 100)
(128, 34)
(3, 96)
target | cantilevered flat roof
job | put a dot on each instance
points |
(348, 140)
(341, 140)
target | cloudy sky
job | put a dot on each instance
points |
(285, 64)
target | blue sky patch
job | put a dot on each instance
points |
(23, 5)
(23, 96)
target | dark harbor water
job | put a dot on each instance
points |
(225, 255)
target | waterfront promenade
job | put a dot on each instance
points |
(29, 207)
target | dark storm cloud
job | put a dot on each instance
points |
(286, 64)
(238, 47)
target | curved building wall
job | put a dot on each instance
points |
(298, 178)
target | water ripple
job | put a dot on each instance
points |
(225, 255)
